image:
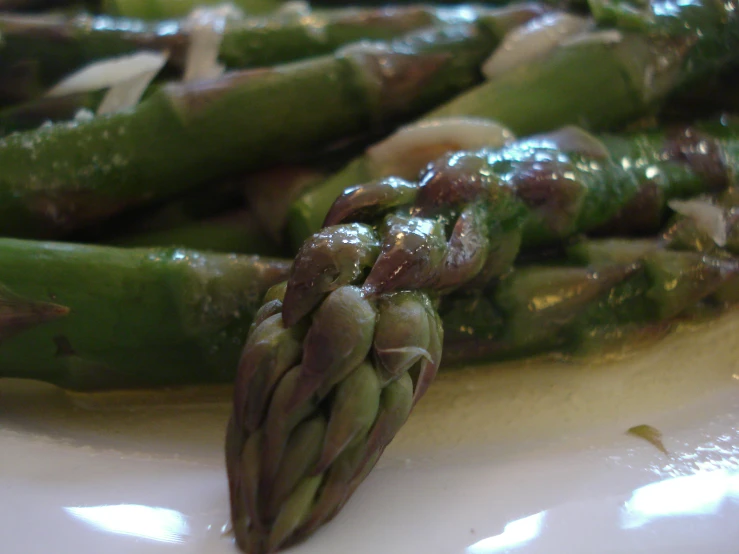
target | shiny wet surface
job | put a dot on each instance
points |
(518, 457)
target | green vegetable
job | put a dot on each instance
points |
(184, 135)
(55, 46)
(358, 315)
(34, 113)
(165, 9)
(620, 286)
(597, 81)
(235, 232)
(126, 317)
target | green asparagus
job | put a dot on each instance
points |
(57, 46)
(240, 215)
(353, 339)
(32, 5)
(184, 135)
(637, 57)
(168, 9)
(234, 232)
(620, 287)
(560, 4)
(111, 291)
(135, 8)
(113, 317)
(39, 111)
(130, 354)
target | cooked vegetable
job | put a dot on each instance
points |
(356, 321)
(184, 135)
(592, 81)
(55, 46)
(619, 287)
(34, 113)
(233, 232)
(126, 317)
(496, 226)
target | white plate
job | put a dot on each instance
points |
(525, 458)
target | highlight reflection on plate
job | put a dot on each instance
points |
(146, 522)
(529, 458)
(516, 533)
(703, 493)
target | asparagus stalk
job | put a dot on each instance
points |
(38, 50)
(136, 8)
(624, 70)
(167, 9)
(574, 4)
(34, 113)
(239, 215)
(625, 286)
(661, 278)
(131, 317)
(32, 5)
(714, 96)
(135, 318)
(353, 339)
(66, 175)
(235, 232)
(57, 46)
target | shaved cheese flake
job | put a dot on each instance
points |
(708, 217)
(406, 152)
(126, 94)
(110, 72)
(533, 40)
(206, 26)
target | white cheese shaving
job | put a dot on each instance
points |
(110, 72)
(206, 26)
(707, 216)
(407, 151)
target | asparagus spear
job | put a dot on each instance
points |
(136, 8)
(716, 95)
(38, 50)
(626, 286)
(34, 113)
(167, 9)
(120, 318)
(134, 317)
(353, 340)
(556, 3)
(32, 5)
(65, 175)
(57, 46)
(604, 79)
(131, 317)
(240, 215)
(235, 232)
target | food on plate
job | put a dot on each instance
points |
(183, 135)
(357, 319)
(571, 181)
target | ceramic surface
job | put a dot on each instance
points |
(518, 457)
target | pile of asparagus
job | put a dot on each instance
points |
(324, 204)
